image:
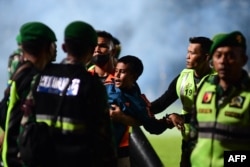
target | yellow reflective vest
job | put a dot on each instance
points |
(224, 122)
(186, 88)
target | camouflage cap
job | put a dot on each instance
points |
(82, 31)
(234, 38)
(36, 30)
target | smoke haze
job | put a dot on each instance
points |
(155, 31)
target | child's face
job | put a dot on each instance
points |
(123, 77)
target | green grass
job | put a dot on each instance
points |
(168, 144)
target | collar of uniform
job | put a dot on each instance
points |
(245, 79)
(244, 82)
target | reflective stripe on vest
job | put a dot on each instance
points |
(64, 123)
(182, 88)
(224, 132)
(12, 101)
(185, 88)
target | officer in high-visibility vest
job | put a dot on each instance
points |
(222, 103)
(183, 87)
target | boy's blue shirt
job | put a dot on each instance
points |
(118, 97)
(133, 104)
(129, 101)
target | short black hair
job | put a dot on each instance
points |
(116, 41)
(104, 34)
(203, 41)
(117, 44)
(134, 63)
(107, 35)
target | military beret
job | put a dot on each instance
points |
(82, 31)
(18, 39)
(35, 30)
(234, 38)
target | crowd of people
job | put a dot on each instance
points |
(80, 112)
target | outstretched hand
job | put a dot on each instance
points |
(177, 121)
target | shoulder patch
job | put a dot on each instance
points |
(237, 102)
(207, 97)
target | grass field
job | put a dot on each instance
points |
(167, 146)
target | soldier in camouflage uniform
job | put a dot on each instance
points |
(16, 58)
(39, 48)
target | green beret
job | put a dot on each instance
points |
(35, 30)
(234, 38)
(18, 39)
(82, 31)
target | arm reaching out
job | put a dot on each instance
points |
(177, 120)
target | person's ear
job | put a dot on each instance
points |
(52, 47)
(207, 57)
(64, 47)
